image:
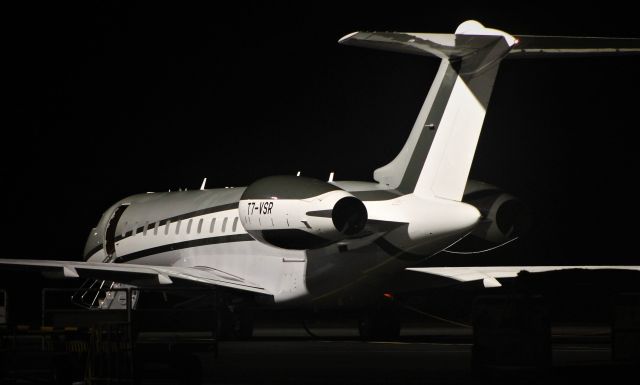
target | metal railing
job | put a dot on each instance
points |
(4, 315)
(185, 307)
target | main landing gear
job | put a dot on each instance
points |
(235, 323)
(380, 323)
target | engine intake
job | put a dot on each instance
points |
(349, 216)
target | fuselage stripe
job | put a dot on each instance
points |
(191, 214)
(183, 245)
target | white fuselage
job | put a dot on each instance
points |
(341, 272)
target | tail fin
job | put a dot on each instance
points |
(437, 157)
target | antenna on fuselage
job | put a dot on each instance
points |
(204, 182)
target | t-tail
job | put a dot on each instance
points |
(436, 159)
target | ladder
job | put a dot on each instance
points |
(104, 294)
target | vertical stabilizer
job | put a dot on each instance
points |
(437, 157)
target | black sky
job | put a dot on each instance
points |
(112, 99)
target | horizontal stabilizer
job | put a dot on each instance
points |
(464, 43)
(566, 46)
(470, 37)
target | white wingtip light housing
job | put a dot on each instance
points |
(345, 37)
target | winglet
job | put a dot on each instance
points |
(346, 37)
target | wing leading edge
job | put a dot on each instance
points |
(147, 275)
(489, 274)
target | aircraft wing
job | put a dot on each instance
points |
(144, 275)
(489, 274)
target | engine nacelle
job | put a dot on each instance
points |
(294, 212)
(505, 216)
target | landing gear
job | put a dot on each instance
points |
(235, 323)
(382, 323)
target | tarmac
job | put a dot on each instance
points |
(433, 356)
(335, 355)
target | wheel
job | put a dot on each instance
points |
(243, 329)
(61, 370)
(188, 369)
(235, 324)
(380, 324)
(225, 325)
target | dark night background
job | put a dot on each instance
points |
(112, 99)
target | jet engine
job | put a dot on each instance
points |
(294, 212)
(505, 216)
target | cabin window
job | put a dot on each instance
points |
(235, 224)
(178, 226)
(213, 225)
(224, 224)
(200, 225)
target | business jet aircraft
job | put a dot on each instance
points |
(298, 241)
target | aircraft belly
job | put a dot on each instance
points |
(355, 277)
